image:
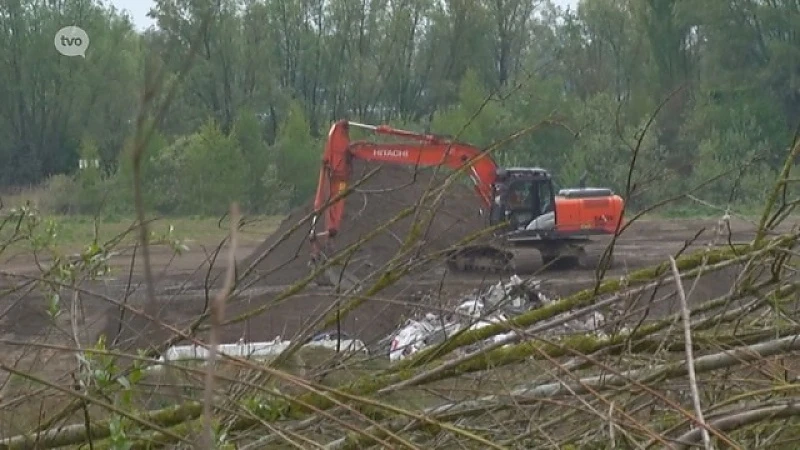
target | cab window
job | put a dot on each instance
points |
(519, 195)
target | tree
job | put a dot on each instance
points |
(48, 101)
(256, 153)
(297, 156)
(464, 121)
(210, 154)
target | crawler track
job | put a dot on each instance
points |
(481, 259)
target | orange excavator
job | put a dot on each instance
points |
(521, 201)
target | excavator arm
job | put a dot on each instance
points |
(423, 150)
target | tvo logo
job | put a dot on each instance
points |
(71, 41)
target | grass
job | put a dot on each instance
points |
(199, 237)
(75, 232)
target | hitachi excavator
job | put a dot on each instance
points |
(520, 201)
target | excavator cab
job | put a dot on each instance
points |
(523, 196)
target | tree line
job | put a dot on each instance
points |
(250, 117)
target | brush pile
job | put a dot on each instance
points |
(481, 308)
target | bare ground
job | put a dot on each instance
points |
(181, 297)
(26, 326)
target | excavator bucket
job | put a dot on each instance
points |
(332, 275)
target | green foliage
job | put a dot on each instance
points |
(199, 173)
(732, 138)
(297, 156)
(605, 152)
(210, 154)
(62, 195)
(476, 118)
(256, 153)
(526, 105)
(90, 179)
(152, 175)
(51, 102)
(84, 192)
(271, 75)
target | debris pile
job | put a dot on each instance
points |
(482, 308)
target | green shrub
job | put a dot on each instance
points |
(60, 193)
(199, 174)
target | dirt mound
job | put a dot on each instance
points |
(389, 191)
(377, 201)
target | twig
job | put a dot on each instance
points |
(580, 299)
(687, 332)
(747, 416)
(535, 393)
(59, 437)
(765, 221)
(611, 425)
(217, 316)
(141, 138)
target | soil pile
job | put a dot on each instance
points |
(377, 201)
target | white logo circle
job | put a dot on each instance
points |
(71, 41)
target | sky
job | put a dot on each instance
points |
(138, 9)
